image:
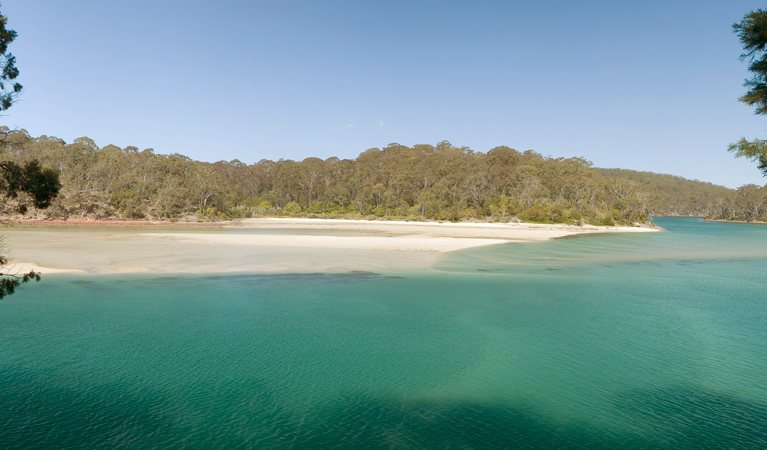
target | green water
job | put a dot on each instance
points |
(602, 342)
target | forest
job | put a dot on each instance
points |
(423, 182)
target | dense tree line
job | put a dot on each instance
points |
(441, 182)
(674, 195)
(746, 204)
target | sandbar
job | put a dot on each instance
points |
(266, 245)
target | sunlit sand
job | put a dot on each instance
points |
(265, 245)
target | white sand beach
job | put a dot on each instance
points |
(498, 232)
(265, 245)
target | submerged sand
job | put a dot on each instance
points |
(266, 245)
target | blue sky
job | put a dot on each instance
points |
(650, 85)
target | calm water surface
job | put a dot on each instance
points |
(600, 342)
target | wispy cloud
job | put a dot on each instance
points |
(380, 125)
(351, 125)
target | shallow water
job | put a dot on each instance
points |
(621, 341)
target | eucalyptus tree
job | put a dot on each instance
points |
(752, 32)
(39, 185)
(9, 88)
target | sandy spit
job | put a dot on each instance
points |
(265, 245)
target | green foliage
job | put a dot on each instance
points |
(292, 208)
(128, 202)
(9, 282)
(9, 89)
(440, 182)
(27, 178)
(747, 204)
(537, 212)
(755, 150)
(41, 184)
(637, 193)
(752, 32)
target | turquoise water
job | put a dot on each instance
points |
(600, 342)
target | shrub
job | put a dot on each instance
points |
(292, 208)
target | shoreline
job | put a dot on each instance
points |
(118, 223)
(444, 224)
(263, 245)
(746, 222)
(74, 222)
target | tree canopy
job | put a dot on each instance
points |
(19, 181)
(9, 88)
(422, 182)
(41, 184)
(752, 32)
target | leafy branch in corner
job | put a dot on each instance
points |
(41, 184)
(9, 282)
(752, 33)
(9, 89)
